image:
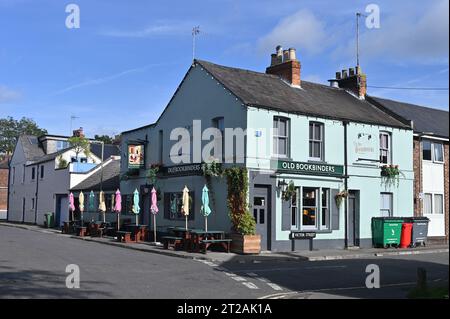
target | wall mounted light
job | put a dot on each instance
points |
(282, 185)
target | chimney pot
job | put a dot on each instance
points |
(292, 54)
(344, 74)
(273, 59)
(285, 55)
(338, 75)
(351, 72)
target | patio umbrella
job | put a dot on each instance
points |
(71, 204)
(154, 210)
(118, 207)
(102, 205)
(185, 207)
(205, 209)
(81, 200)
(91, 201)
(136, 208)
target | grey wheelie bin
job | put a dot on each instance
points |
(419, 232)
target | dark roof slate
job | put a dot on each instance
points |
(426, 120)
(111, 178)
(269, 91)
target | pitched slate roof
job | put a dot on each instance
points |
(110, 150)
(111, 178)
(426, 120)
(269, 91)
(31, 148)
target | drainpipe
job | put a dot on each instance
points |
(9, 188)
(36, 195)
(345, 183)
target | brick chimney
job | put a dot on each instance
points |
(352, 80)
(285, 64)
(78, 133)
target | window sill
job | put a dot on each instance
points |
(317, 161)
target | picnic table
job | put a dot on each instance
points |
(138, 232)
(195, 239)
(97, 228)
(201, 240)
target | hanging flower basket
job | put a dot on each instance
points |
(340, 197)
(390, 174)
(289, 192)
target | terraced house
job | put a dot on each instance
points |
(343, 159)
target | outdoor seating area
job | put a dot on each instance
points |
(195, 240)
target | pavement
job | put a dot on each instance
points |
(33, 264)
(315, 255)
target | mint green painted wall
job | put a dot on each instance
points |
(364, 175)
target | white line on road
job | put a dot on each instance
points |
(274, 286)
(238, 278)
(250, 285)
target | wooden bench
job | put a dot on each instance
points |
(205, 243)
(124, 236)
(172, 241)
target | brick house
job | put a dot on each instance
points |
(431, 165)
(4, 170)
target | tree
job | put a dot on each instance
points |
(11, 129)
(104, 138)
(80, 144)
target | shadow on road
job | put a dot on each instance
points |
(20, 283)
(345, 278)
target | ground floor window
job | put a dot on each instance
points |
(173, 203)
(433, 204)
(294, 209)
(309, 207)
(325, 217)
(386, 209)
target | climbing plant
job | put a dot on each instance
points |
(237, 191)
(211, 170)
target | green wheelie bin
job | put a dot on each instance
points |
(48, 220)
(386, 231)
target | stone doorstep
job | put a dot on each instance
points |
(265, 256)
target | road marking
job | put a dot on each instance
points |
(274, 286)
(238, 278)
(250, 285)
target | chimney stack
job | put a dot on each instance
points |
(78, 133)
(354, 81)
(284, 63)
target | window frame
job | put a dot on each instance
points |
(327, 207)
(41, 172)
(277, 137)
(441, 204)
(294, 209)
(391, 204)
(33, 173)
(316, 207)
(312, 140)
(433, 151)
(388, 149)
(181, 217)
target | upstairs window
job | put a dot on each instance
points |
(432, 151)
(316, 145)
(385, 148)
(60, 145)
(280, 137)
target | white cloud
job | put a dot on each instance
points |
(302, 30)
(8, 95)
(416, 34)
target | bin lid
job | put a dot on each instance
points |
(418, 219)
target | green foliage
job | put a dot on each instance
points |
(289, 192)
(80, 144)
(390, 175)
(62, 163)
(212, 169)
(429, 293)
(11, 129)
(104, 138)
(247, 224)
(237, 184)
(152, 173)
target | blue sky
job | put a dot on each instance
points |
(120, 68)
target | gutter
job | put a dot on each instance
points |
(36, 194)
(9, 188)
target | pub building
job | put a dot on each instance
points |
(326, 145)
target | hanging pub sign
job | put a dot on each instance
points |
(308, 168)
(136, 156)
